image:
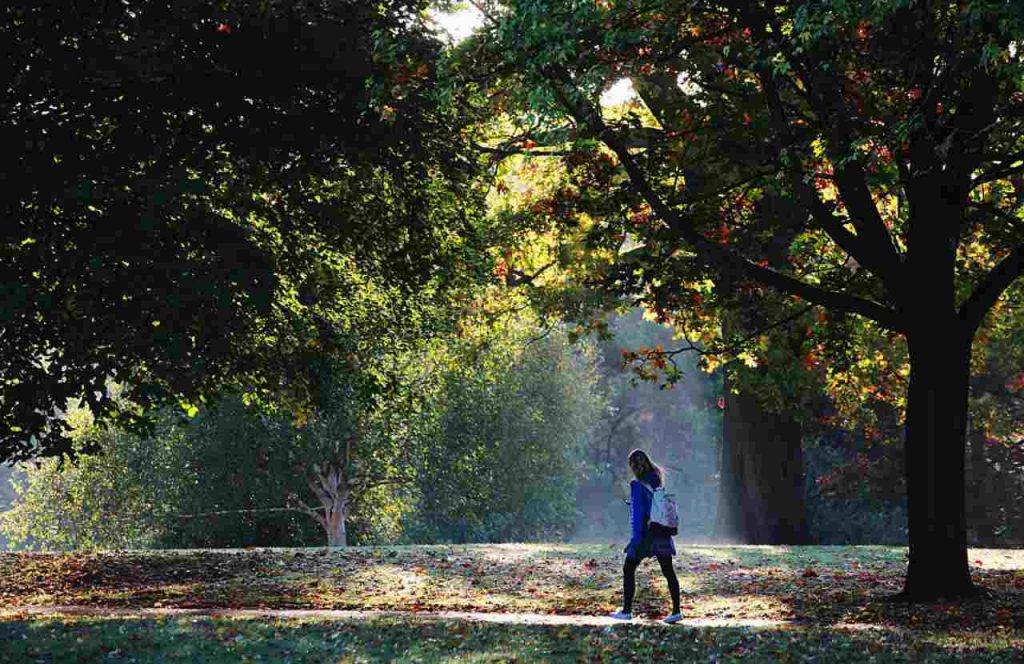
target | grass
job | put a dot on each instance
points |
(412, 640)
(833, 597)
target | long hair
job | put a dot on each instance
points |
(645, 466)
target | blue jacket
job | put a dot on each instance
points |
(639, 514)
(640, 506)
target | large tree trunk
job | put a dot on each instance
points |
(761, 500)
(979, 498)
(936, 431)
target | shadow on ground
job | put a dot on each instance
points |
(411, 639)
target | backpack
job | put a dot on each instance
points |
(664, 511)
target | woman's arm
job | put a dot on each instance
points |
(639, 508)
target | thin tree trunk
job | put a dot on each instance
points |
(936, 432)
(762, 488)
(334, 524)
(331, 488)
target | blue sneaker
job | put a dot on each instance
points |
(621, 615)
(672, 618)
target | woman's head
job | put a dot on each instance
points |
(642, 466)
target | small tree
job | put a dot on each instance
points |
(349, 446)
(512, 412)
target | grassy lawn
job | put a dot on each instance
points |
(413, 639)
(835, 598)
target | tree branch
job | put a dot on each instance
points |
(734, 348)
(311, 511)
(810, 200)
(256, 510)
(992, 212)
(359, 493)
(1000, 172)
(870, 247)
(515, 277)
(990, 288)
(548, 329)
(316, 485)
(715, 255)
(508, 152)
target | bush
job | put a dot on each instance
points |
(854, 496)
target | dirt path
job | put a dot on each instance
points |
(349, 615)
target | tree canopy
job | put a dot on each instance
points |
(862, 158)
(178, 175)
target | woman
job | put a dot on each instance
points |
(644, 543)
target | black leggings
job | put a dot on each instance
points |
(629, 581)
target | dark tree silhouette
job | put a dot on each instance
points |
(171, 174)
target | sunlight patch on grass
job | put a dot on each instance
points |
(975, 641)
(378, 585)
(736, 606)
(689, 584)
(748, 554)
(514, 553)
(996, 558)
(165, 594)
(705, 552)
